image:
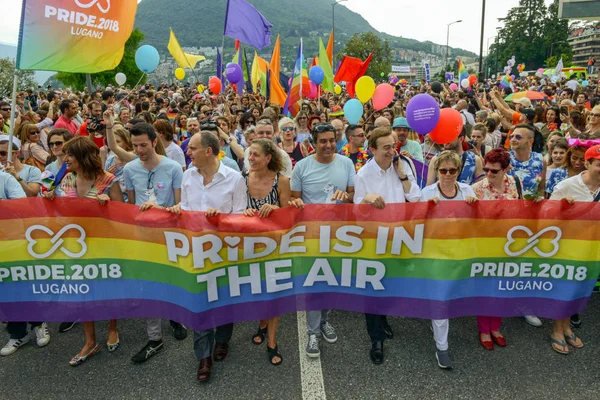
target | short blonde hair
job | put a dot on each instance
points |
(447, 156)
(286, 120)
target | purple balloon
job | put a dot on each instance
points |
(422, 113)
(233, 73)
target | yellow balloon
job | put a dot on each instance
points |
(179, 73)
(365, 87)
(201, 88)
(337, 89)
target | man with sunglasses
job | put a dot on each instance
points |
(152, 181)
(5, 113)
(29, 177)
(323, 178)
(354, 149)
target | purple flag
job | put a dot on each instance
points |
(245, 23)
(220, 70)
(422, 170)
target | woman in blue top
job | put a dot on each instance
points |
(574, 164)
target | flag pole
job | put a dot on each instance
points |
(13, 110)
(301, 66)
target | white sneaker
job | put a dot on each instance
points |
(42, 335)
(533, 320)
(13, 345)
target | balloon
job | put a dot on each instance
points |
(316, 75)
(147, 58)
(539, 74)
(233, 73)
(383, 96)
(214, 84)
(120, 78)
(493, 76)
(337, 89)
(365, 87)
(422, 113)
(570, 72)
(353, 110)
(512, 77)
(585, 83)
(449, 126)
(180, 73)
(436, 87)
(201, 88)
(382, 74)
(290, 82)
(453, 87)
(464, 83)
(313, 90)
(473, 79)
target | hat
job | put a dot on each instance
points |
(15, 140)
(593, 153)
(400, 122)
(337, 112)
(524, 101)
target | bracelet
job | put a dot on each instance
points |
(109, 126)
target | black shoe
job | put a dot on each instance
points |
(575, 321)
(66, 326)
(179, 331)
(147, 351)
(377, 353)
(387, 329)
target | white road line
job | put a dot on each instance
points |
(313, 387)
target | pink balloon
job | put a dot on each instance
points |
(383, 96)
(313, 91)
(453, 87)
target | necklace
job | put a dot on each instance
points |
(445, 195)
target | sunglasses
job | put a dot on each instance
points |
(516, 137)
(594, 115)
(287, 129)
(492, 170)
(3, 153)
(150, 184)
(324, 128)
(55, 144)
(5, 109)
(302, 118)
(450, 171)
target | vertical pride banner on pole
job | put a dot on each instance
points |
(74, 260)
(84, 36)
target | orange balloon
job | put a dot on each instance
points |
(214, 84)
(448, 127)
(472, 79)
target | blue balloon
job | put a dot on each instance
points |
(147, 58)
(316, 75)
(585, 83)
(353, 110)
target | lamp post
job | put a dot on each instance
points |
(448, 40)
(487, 55)
(481, 40)
(333, 27)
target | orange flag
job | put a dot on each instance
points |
(275, 59)
(330, 48)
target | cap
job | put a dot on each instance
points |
(524, 101)
(593, 153)
(401, 122)
(337, 112)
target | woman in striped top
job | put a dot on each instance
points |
(268, 190)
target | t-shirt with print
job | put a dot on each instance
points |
(529, 172)
(157, 184)
(318, 182)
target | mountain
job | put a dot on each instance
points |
(199, 23)
(10, 51)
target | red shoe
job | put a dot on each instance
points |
(499, 340)
(487, 344)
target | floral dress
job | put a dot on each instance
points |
(102, 185)
(484, 191)
(558, 175)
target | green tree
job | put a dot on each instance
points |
(126, 66)
(26, 79)
(361, 46)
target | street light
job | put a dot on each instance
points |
(487, 55)
(333, 27)
(448, 40)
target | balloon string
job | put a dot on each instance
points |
(131, 91)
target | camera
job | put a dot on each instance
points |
(95, 125)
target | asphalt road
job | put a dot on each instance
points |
(526, 369)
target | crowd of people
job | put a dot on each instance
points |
(172, 148)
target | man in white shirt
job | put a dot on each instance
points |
(387, 178)
(265, 130)
(213, 188)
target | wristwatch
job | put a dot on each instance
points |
(228, 141)
(403, 179)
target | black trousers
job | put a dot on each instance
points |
(375, 324)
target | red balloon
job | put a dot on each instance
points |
(214, 84)
(383, 96)
(448, 127)
(472, 79)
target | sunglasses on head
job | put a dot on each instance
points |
(450, 171)
(492, 170)
(324, 128)
(209, 126)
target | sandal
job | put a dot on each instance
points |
(562, 343)
(572, 340)
(274, 353)
(262, 332)
(78, 360)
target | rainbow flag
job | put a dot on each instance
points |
(72, 259)
(462, 71)
(300, 85)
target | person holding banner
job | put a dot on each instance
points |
(386, 178)
(322, 178)
(471, 169)
(210, 186)
(446, 167)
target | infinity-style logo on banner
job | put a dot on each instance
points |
(532, 241)
(56, 240)
(91, 3)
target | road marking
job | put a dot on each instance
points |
(313, 387)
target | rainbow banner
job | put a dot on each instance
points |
(74, 260)
(462, 71)
(74, 35)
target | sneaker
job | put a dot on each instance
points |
(42, 335)
(575, 321)
(66, 326)
(312, 347)
(533, 320)
(443, 359)
(179, 331)
(13, 345)
(328, 332)
(147, 351)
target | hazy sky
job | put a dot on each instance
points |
(416, 19)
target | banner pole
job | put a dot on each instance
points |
(13, 110)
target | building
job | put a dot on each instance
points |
(585, 44)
